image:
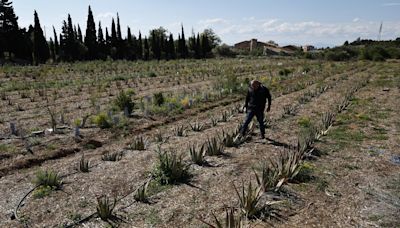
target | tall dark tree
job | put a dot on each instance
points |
(121, 50)
(206, 47)
(184, 48)
(52, 50)
(130, 46)
(119, 34)
(56, 44)
(146, 49)
(12, 39)
(79, 36)
(198, 52)
(101, 42)
(139, 48)
(91, 36)
(69, 48)
(114, 40)
(171, 47)
(41, 51)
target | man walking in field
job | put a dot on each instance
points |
(256, 99)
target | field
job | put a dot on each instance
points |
(334, 124)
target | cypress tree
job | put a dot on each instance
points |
(102, 52)
(171, 47)
(134, 48)
(113, 34)
(198, 47)
(52, 50)
(75, 33)
(80, 37)
(41, 51)
(205, 45)
(10, 35)
(129, 47)
(139, 52)
(119, 35)
(146, 51)
(183, 44)
(114, 41)
(56, 44)
(91, 37)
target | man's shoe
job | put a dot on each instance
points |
(262, 136)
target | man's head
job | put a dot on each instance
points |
(255, 84)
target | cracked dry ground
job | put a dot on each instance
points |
(355, 182)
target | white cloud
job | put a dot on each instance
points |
(107, 15)
(391, 4)
(212, 21)
(303, 31)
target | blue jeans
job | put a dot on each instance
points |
(260, 118)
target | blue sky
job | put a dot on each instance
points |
(320, 23)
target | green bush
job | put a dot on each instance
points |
(224, 51)
(285, 72)
(170, 169)
(102, 121)
(158, 99)
(123, 101)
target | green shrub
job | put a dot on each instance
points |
(123, 101)
(158, 99)
(285, 72)
(197, 156)
(102, 121)
(170, 168)
(105, 208)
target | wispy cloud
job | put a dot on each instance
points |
(302, 31)
(391, 4)
(213, 21)
(106, 15)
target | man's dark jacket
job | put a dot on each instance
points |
(256, 99)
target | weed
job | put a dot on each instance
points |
(102, 121)
(105, 208)
(304, 121)
(214, 122)
(249, 200)
(213, 147)
(170, 168)
(231, 220)
(141, 193)
(197, 156)
(83, 165)
(229, 139)
(197, 127)
(139, 143)
(116, 156)
(327, 121)
(289, 110)
(48, 178)
(224, 116)
(179, 131)
(124, 102)
(288, 165)
(268, 179)
(158, 99)
(42, 191)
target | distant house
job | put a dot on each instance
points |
(268, 48)
(249, 45)
(307, 48)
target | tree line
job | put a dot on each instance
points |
(30, 45)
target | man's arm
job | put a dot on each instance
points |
(269, 99)
(247, 100)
